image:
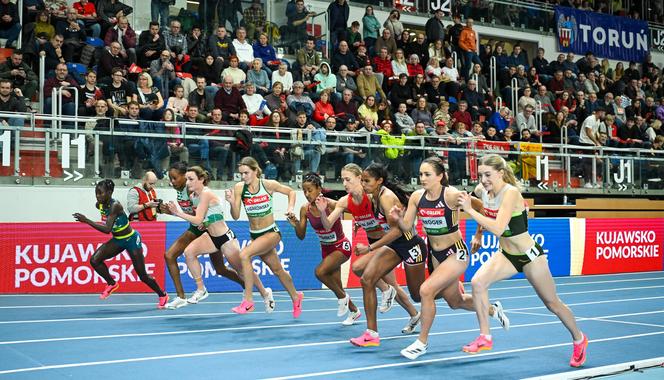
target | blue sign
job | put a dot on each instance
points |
(612, 37)
(551, 234)
(298, 257)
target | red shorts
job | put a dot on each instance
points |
(342, 246)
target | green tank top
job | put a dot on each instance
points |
(215, 213)
(121, 222)
(186, 203)
(518, 223)
(257, 204)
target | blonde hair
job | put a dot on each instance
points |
(498, 163)
(200, 173)
(353, 168)
(148, 78)
(252, 164)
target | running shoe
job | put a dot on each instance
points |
(244, 307)
(177, 303)
(366, 340)
(500, 316)
(269, 301)
(579, 354)
(415, 350)
(412, 323)
(479, 344)
(297, 305)
(387, 299)
(199, 295)
(352, 317)
(108, 290)
(162, 302)
(343, 306)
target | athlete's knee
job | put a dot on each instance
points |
(95, 260)
(245, 255)
(479, 284)
(427, 292)
(357, 269)
(368, 280)
(554, 305)
(320, 273)
(171, 256)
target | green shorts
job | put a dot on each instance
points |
(194, 230)
(256, 234)
(520, 260)
(130, 243)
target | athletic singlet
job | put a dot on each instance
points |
(215, 213)
(257, 204)
(121, 222)
(437, 218)
(187, 204)
(518, 223)
(364, 216)
(327, 237)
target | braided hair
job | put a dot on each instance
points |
(107, 185)
(180, 167)
(379, 171)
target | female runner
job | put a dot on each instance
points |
(256, 196)
(124, 238)
(507, 217)
(219, 240)
(334, 246)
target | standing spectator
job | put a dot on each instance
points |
(455, 33)
(159, 10)
(434, 28)
(110, 12)
(19, 74)
(125, 36)
(393, 24)
(297, 23)
(87, 17)
(150, 44)
(370, 28)
(338, 13)
(142, 202)
(10, 25)
(254, 19)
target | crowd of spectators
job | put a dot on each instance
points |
(384, 85)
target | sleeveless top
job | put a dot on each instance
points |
(518, 223)
(121, 222)
(436, 217)
(215, 213)
(257, 204)
(186, 203)
(326, 237)
(364, 215)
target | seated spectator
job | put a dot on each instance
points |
(60, 80)
(74, 37)
(399, 65)
(565, 100)
(414, 67)
(312, 153)
(88, 95)
(87, 17)
(353, 36)
(492, 134)
(553, 128)
(450, 79)
(175, 38)
(174, 144)
(323, 109)
(44, 30)
(229, 101)
(162, 71)
(362, 57)
(367, 84)
(437, 51)
(243, 49)
(344, 57)
(10, 102)
(421, 113)
(10, 25)
(462, 115)
(383, 65)
(276, 101)
(402, 92)
(500, 119)
(386, 41)
(265, 51)
(259, 77)
(475, 101)
(299, 102)
(346, 108)
(369, 109)
(150, 45)
(442, 114)
(178, 103)
(210, 70)
(234, 72)
(202, 98)
(112, 58)
(526, 120)
(325, 78)
(433, 69)
(403, 120)
(111, 13)
(254, 19)
(526, 99)
(284, 77)
(308, 55)
(196, 46)
(19, 74)
(119, 93)
(344, 81)
(220, 46)
(149, 98)
(257, 108)
(125, 36)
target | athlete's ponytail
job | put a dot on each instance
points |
(438, 167)
(107, 185)
(498, 163)
(379, 171)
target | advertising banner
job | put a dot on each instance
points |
(623, 245)
(298, 257)
(657, 40)
(551, 234)
(55, 258)
(612, 37)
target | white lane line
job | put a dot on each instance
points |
(166, 315)
(453, 358)
(603, 370)
(267, 348)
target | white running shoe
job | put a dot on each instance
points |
(177, 303)
(387, 299)
(269, 301)
(343, 306)
(500, 316)
(415, 350)
(353, 316)
(412, 323)
(199, 295)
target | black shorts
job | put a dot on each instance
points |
(520, 260)
(194, 230)
(458, 249)
(223, 239)
(412, 251)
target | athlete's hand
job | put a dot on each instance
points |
(173, 208)
(397, 212)
(163, 208)
(464, 201)
(292, 219)
(475, 243)
(201, 227)
(80, 217)
(229, 195)
(321, 203)
(361, 249)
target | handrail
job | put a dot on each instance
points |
(498, 103)
(514, 92)
(454, 59)
(42, 79)
(492, 73)
(538, 118)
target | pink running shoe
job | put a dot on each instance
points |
(244, 307)
(297, 305)
(479, 344)
(163, 301)
(366, 340)
(579, 355)
(108, 290)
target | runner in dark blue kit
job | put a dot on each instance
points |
(124, 238)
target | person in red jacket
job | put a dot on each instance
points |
(462, 115)
(323, 108)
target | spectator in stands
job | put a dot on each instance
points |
(434, 27)
(500, 119)
(220, 151)
(74, 37)
(257, 108)
(482, 85)
(312, 154)
(584, 63)
(19, 74)
(435, 92)
(344, 81)
(393, 24)
(243, 49)
(125, 36)
(399, 65)
(201, 98)
(517, 58)
(367, 84)
(541, 65)
(475, 100)
(370, 28)
(235, 72)
(629, 134)
(178, 103)
(43, 30)
(404, 122)
(60, 80)
(284, 77)
(111, 58)
(544, 98)
(142, 202)
(196, 46)
(581, 111)
(631, 73)
(461, 115)
(11, 102)
(468, 45)
(221, 46)
(369, 109)
(323, 109)
(383, 65)
(569, 64)
(10, 25)
(119, 93)
(150, 44)
(590, 85)
(338, 13)
(254, 19)
(308, 55)
(590, 128)
(276, 101)
(110, 13)
(386, 40)
(450, 78)
(526, 120)
(354, 37)
(163, 73)
(53, 51)
(297, 23)
(159, 11)
(442, 114)
(502, 61)
(88, 95)
(401, 92)
(414, 66)
(259, 77)
(362, 56)
(344, 57)
(553, 128)
(325, 78)
(229, 101)
(421, 113)
(149, 98)
(592, 102)
(635, 109)
(87, 17)
(347, 107)
(265, 51)
(174, 38)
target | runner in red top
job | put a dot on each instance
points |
(334, 246)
